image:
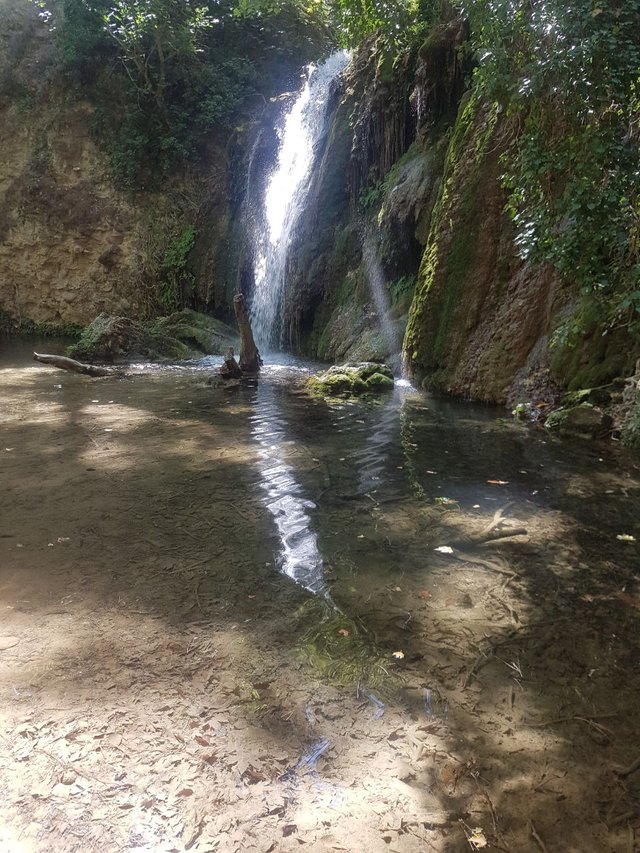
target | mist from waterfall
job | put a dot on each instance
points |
(285, 198)
(377, 282)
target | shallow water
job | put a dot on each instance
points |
(320, 543)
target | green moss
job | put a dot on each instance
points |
(28, 329)
(341, 651)
(583, 420)
(631, 428)
(184, 334)
(352, 380)
(587, 354)
(378, 382)
(416, 341)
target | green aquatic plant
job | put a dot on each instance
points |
(341, 650)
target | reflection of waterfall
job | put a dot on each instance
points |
(285, 197)
(299, 556)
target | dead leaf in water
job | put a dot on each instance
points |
(343, 632)
(477, 838)
(498, 483)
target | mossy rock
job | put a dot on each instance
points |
(583, 421)
(352, 380)
(596, 396)
(109, 339)
(199, 333)
(378, 382)
(630, 433)
(182, 335)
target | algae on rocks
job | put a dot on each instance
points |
(352, 380)
(184, 334)
(583, 421)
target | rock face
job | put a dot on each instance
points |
(71, 245)
(352, 380)
(410, 205)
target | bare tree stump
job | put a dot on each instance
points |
(250, 361)
(230, 368)
(71, 364)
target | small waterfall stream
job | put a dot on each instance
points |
(285, 196)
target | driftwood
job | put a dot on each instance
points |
(71, 364)
(250, 360)
(230, 368)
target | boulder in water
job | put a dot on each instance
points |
(583, 421)
(352, 380)
(184, 334)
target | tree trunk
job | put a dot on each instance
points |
(250, 360)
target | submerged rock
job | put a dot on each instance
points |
(584, 421)
(184, 334)
(353, 380)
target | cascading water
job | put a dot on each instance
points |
(285, 198)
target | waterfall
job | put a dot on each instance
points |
(285, 195)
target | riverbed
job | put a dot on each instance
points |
(258, 620)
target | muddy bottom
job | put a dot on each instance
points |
(259, 621)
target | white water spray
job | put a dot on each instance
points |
(285, 198)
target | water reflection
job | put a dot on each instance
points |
(299, 556)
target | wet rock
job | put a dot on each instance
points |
(353, 380)
(595, 396)
(108, 339)
(584, 421)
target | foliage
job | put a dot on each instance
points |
(177, 282)
(400, 287)
(399, 24)
(567, 75)
(371, 197)
(164, 74)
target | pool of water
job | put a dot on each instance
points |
(339, 557)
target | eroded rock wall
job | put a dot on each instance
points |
(71, 245)
(480, 314)
(408, 198)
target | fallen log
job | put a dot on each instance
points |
(64, 363)
(250, 361)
